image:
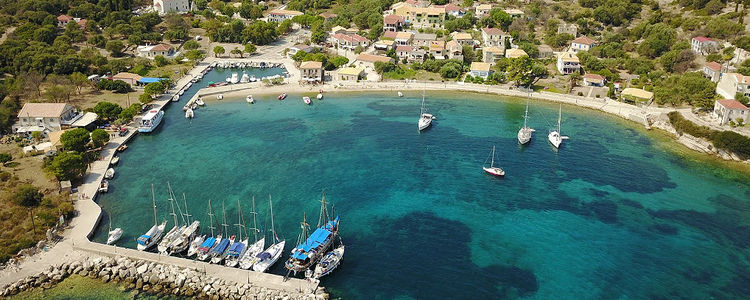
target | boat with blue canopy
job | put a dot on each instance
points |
(311, 249)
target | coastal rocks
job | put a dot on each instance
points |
(153, 278)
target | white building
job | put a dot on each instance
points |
(730, 110)
(712, 70)
(165, 6)
(703, 45)
(152, 51)
(45, 117)
(281, 15)
(494, 37)
(582, 43)
(568, 63)
(480, 69)
(731, 84)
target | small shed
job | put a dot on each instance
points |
(65, 186)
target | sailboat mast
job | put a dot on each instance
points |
(239, 219)
(187, 215)
(526, 115)
(273, 229)
(559, 116)
(211, 216)
(171, 203)
(255, 221)
(492, 164)
(323, 211)
(153, 201)
(224, 216)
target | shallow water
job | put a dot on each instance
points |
(609, 215)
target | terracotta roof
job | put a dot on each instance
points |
(741, 78)
(452, 44)
(480, 66)
(702, 39)
(714, 66)
(568, 56)
(328, 15)
(732, 104)
(595, 77)
(43, 110)
(404, 48)
(284, 12)
(64, 18)
(350, 37)
(127, 75)
(437, 45)
(583, 40)
(393, 19)
(161, 47)
(311, 65)
(390, 34)
(449, 7)
(373, 58)
(493, 31)
(82, 22)
(401, 35)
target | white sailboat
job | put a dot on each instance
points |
(197, 241)
(166, 243)
(524, 134)
(235, 78)
(555, 137)
(189, 113)
(425, 119)
(113, 235)
(250, 99)
(329, 262)
(267, 258)
(153, 235)
(492, 170)
(237, 250)
(204, 249)
(246, 261)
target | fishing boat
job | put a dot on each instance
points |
(312, 247)
(266, 259)
(524, 134)
(237, 249)
(329, 262)
(400, 94)
(555, 137)
(306, 100)
(151, 120)
(114, 235)
(189, 113)
(115, 160)
(492, 170)
(282, 96)
(110, 173)
(194, 79)
(245, 78)
(247, 259)
(104, 186)
(200, 102)
(319, 96)
(220, 96)
(249, 99)
(194, 244)
(153, 235)
(425, 119)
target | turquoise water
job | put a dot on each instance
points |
(609, 215)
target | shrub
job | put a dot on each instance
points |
(732, 141)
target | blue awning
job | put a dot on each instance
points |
(150, 79)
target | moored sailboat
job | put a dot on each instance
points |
(425, 119)
(492, 170)
(329, 262)
(204, 249)
(247, 259)
(153, 235)
(524, 134)
(267, 258)
(237, 249)
(312, 247)
(555, 137)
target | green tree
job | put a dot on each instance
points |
(107, 110)
(195, 55)
(5, 158)
(657, 39)
(161, 61)
(250, 48)
(154, 88)
(99, 137)
(79, 80)
(237, 51)
(191, 45)
(525, 71)
(218, 50)
(97, 40)
(114, 47)
(28, 196)
(130, 112)
(36, 135)
(68, 165)
(75, 139)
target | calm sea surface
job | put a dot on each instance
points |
(609, 215)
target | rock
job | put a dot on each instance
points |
(57, 278)
(153, 280)
(84, 273)
(77, 269)
(139, 283)
(105, 278)
(103, 273)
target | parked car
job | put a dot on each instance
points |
(123, 131)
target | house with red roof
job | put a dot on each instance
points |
(494, 37)
(393, 23)
(328, 16)
(703, 45)
(582, 43)
(62, 20)
(727, 110)
(452, 9)
(349, 41)
(152, 51)
(712, 70)
(591, 79)
(731, 84)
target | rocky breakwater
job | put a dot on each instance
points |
(153, 278)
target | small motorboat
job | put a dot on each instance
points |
(110, 173)
(123, 147)
(329, 262)
(176, 98)
(115, 160)
(200, 102)
(245, 78)
(220, 96)
(320, 96)
(181, 92)
(189, 113)
(282, 96)
(249, 99)
(104, 186)
(114, 236)
(400, 94)
(306, 100)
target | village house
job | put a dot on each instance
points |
(129, 78)
(45, 117)
(281, 15)
(582, 43)
(311, 72)
(492, 54)
(454, 50)
(424, 39)
(703, 45)
(299, 47)
(731, 84)
(339, 29)
(463, 38)
(515, 53)
(591, 79)
(62, 20)
(393, 23)
(420, 17)
(712, 70)
(437, 49)
(571, 29)
(351, 73)
(545, 51)
(636, 95)
(452, 9)
(369, 60)
(482, 10)
(389, 35)
(151, 51)
(403, 38)
(328, 16)
(82, 23)
(349, 41)
(514, 13)
(493, 37)
(730, 110)
(165, 6)
(480, 69)
(410, 53)
(384, 45)
(568, 63)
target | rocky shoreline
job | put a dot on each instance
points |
(694, 143)
(153, 278)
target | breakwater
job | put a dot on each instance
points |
(154, 278)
